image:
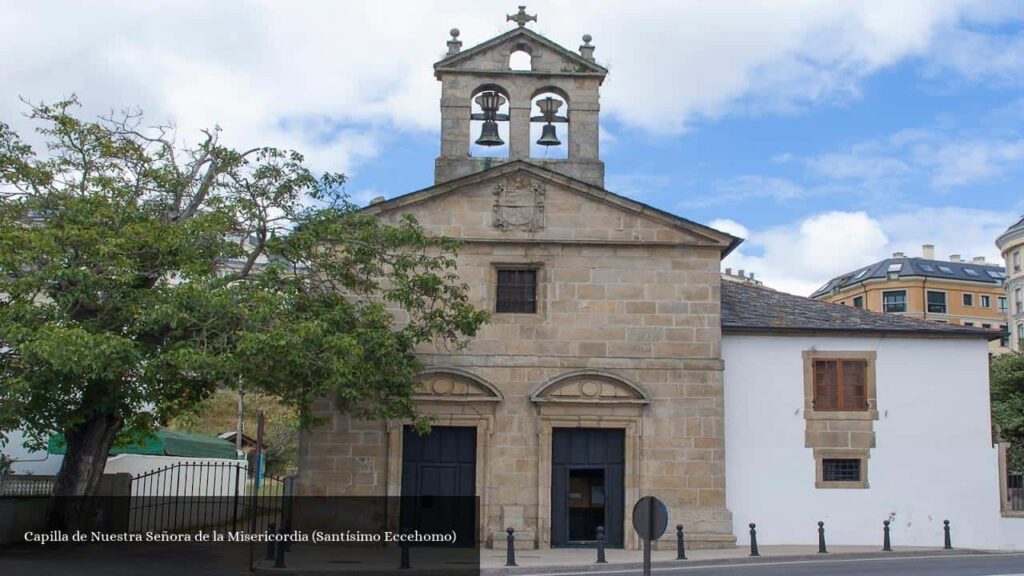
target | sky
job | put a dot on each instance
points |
(827, 133)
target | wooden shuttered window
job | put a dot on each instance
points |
(840, 385)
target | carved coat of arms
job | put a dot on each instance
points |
(519, 204)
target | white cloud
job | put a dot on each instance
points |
(294, 74)
(934, 158)
(800, 256)
(730, 227)
(745, 188)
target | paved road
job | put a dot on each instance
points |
(967, 565)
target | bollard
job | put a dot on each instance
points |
(949, 541)
(886, 543)
(753, 540)
(510, 554)
(600, 546)
(404, 563)
(680, 543)
(821, 538)
(272, 528)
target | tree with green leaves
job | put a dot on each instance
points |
(1007, 381)
(139, 275)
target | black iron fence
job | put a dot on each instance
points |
(1015, 492)
(188, 496)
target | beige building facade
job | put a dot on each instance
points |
(599, 378)
(1011, 246)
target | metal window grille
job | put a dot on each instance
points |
(840, 470)
(517, 291)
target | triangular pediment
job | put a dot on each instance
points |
(519, 200)
(548, 56)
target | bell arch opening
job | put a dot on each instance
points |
(489, 122)
(549, 124)
(520, 60)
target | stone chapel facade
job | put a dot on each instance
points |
(599, 378)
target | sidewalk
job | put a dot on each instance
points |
(313, 562)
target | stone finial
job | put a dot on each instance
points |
(521, 17)
(454, 45)
(587, 49)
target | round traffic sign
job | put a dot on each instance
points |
(650, 517)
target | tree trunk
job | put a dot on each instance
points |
(88, 446)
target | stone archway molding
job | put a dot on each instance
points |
(590, 387)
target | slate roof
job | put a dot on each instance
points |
(990, 274)
(1018, 226)
(749, 308)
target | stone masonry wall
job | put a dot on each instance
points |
(648, 313)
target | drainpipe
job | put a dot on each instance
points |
(924, 294)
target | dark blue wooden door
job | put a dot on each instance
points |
(439, 482)
(587, 477)
(439, 463)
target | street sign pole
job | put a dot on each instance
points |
(647, 540)
(650, 519)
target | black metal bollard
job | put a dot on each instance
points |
(272, 529)
(404, 562)
(886, 543)
(949, 541)
(753, 540)
(680, 543)
(510, 553)
(821, 538)
(600, 546)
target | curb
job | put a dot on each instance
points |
(659, 564)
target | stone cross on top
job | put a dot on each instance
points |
(521, 17)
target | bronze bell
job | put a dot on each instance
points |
(548, 136)
(489, 134)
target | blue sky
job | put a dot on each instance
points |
(827, 133)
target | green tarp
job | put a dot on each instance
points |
(167, 443)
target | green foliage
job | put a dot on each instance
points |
(1007, 380)
(219, 413)
(139, 276)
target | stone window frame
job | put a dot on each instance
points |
(870, 387)
(871, 397)
(542, 290)
(822, 454)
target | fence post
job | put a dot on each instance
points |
(949, 541)
(886, 543)
(234, 516)
(821, 538)
(272, 529)
(600, 546)
(680, 543)
(753, 540)
(279, 553)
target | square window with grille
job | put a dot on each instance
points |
(516, 291)
(840, 385)
(840, 470)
